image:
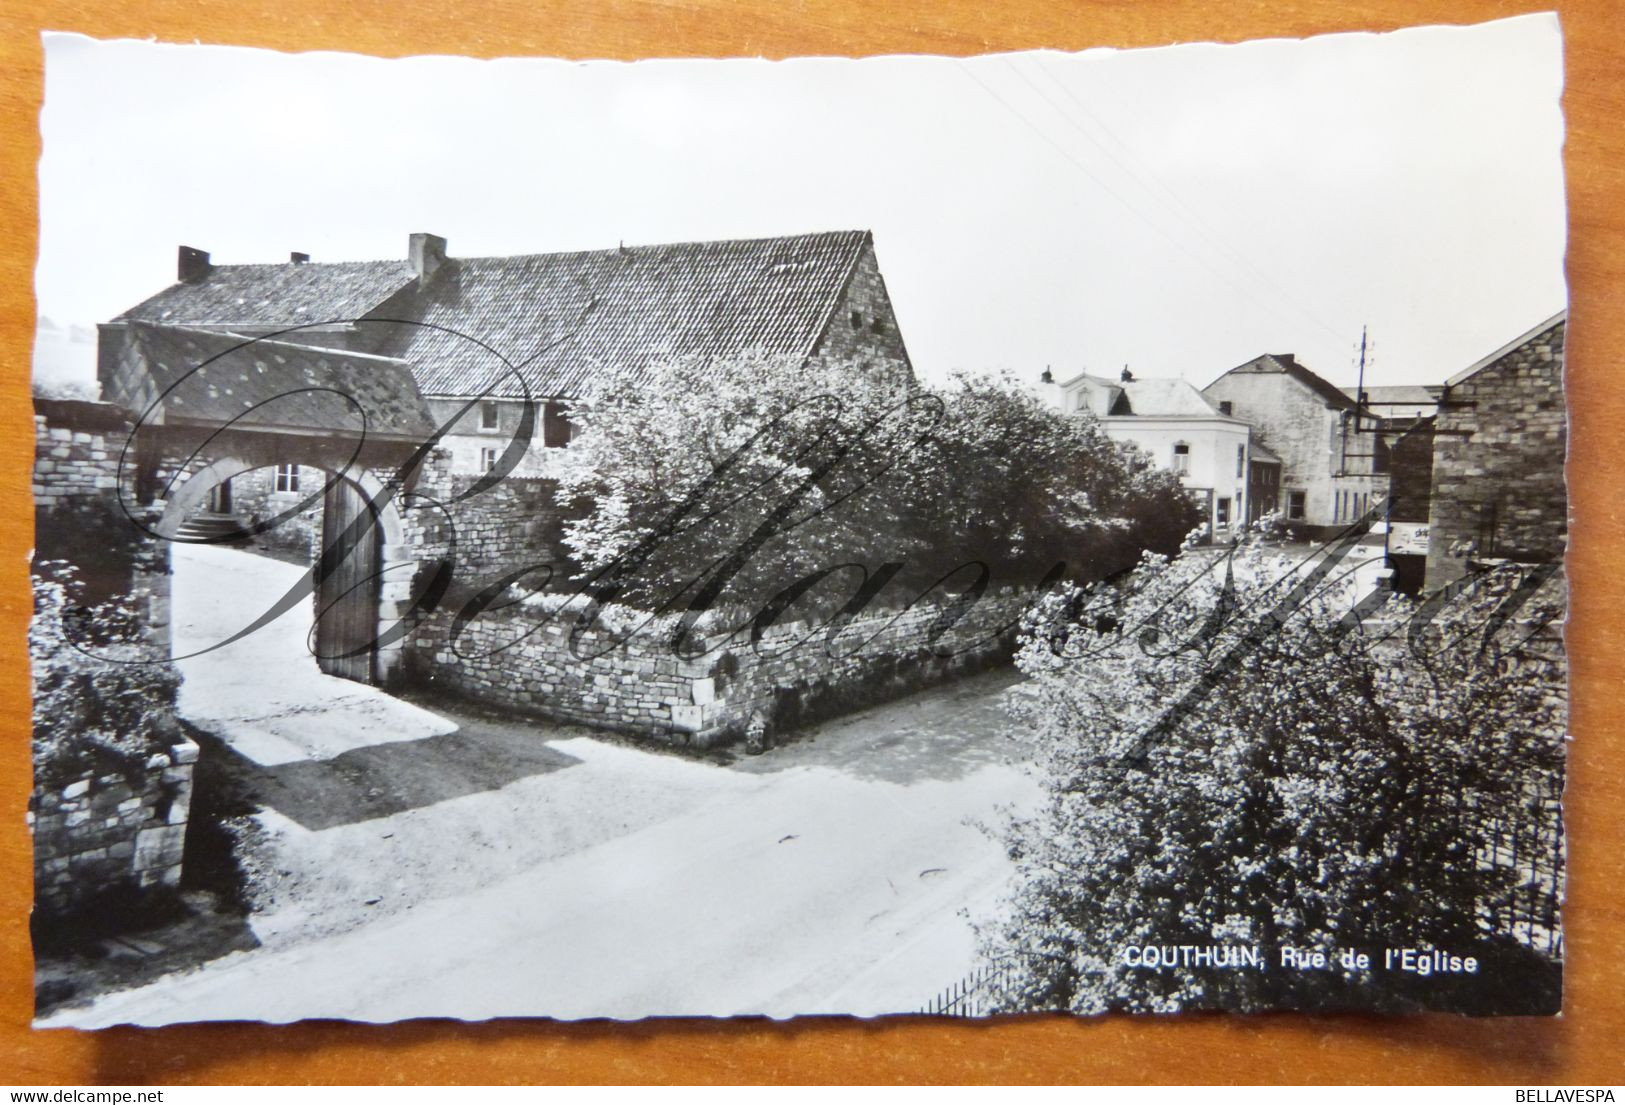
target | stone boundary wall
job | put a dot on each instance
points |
(77, 448)
(519, 657)
(107, 829)
(512, 525)
(119, 830)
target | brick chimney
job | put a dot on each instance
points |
(298, 258)
(427, 252)
(192, 264)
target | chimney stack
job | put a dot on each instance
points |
(1048, 377)
(192, 264)
(298, 258)
(1127, 376)
(427, 252)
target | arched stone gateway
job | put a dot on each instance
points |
(367, 588)
(210, 407)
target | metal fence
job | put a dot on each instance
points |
(971, 996)
(1528, 859)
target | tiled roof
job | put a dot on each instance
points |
(1287, 363)
(1410, 395)
(1166, 396)
(566, 317)
(259, 297)
(1263, 455)
(276, 384)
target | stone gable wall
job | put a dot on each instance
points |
(1499, 445)
(513, 525)
(863, 329)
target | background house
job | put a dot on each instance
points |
(1333, 464)
(1182, 431)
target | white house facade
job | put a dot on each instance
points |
(1181, 431)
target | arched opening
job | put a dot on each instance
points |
(280, 652)
(303, 514)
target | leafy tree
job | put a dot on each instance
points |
(792, 470)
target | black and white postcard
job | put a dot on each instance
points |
(906, 535)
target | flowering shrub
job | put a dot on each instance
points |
(760, 472)
(1230, 757)
(102, 702)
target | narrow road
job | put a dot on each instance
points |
(838, 874)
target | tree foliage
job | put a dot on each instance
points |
(1229, 757)
(752, 474)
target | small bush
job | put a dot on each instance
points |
(102, 702)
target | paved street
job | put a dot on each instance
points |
(513, 868)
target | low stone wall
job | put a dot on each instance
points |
(521, 657)
(120, 831)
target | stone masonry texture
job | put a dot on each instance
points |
(123, 829)
(1499, 445)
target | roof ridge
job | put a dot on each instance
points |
(624, 248)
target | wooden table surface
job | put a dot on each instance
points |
(1582, 1046)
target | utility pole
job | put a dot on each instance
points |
(1359, 388)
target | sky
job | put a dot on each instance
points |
(1178, 210)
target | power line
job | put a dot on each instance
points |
(1182, 208)
(1120, 198)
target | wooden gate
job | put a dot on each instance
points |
(347, 585)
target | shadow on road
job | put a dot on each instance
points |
(386, 779)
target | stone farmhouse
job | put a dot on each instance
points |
(494, 329)
(244, 384)
(464, 341)
(1212, 451)
(1334, 466)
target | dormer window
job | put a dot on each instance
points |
(1182, 458)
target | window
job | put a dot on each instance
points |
(557, 429)
(488, 458)
(1222, 512)
(1182, 458)
(1241, 461)
(1296, 505)
(1226, 407)
(287, 477)
(489, 416)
